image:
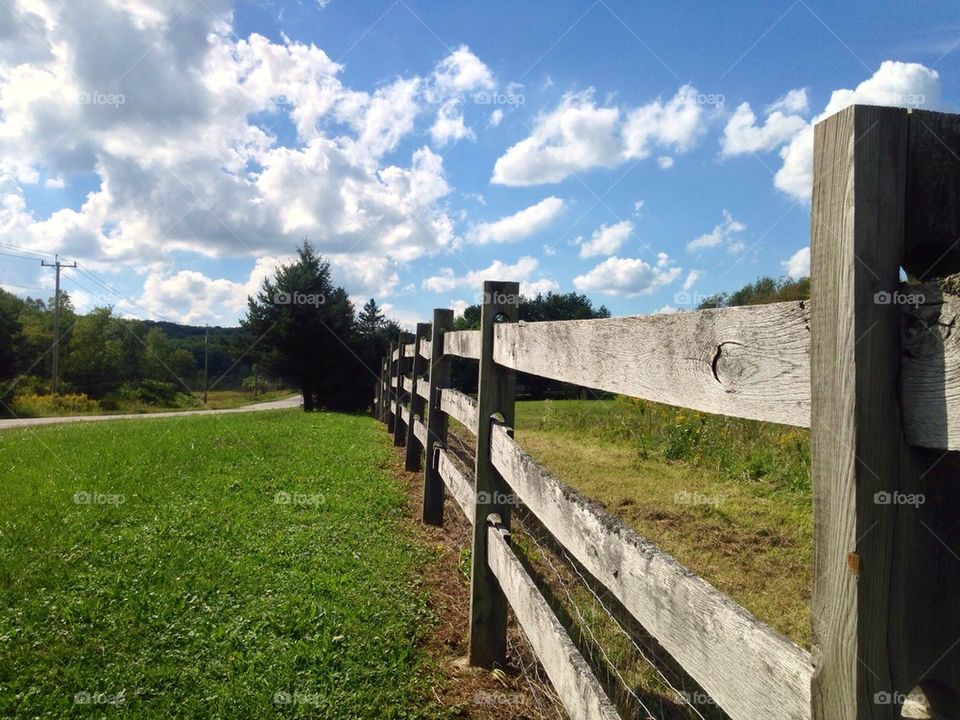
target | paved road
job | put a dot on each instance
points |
(290, 402)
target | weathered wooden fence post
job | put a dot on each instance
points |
(391, 397)
(403, 363)
(412, 456)
(384, 394)
(377, 395)
(495, 396)
(886, 536)
(439, 378)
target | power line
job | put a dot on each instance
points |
(19, 257)
(106, 286)
(26, 250)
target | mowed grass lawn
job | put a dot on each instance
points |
(728, 498)
(243, 566)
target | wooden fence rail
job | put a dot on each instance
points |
(871, 364)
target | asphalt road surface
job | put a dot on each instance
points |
(290, 402)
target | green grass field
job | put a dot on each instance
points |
(241, 566)
(728, 498)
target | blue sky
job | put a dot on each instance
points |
(646, 154)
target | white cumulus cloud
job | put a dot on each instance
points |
(522, 224)
(893, 84)
(628, 276)
(606, 240)
(723, 234)
(797, 265)
(579, 135)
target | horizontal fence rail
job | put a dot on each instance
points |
(750, 362)
(459, 485)
(460, 407)
(462, 343)
(569, 673)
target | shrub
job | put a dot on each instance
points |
(33, 405)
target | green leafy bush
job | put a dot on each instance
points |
(33, 405)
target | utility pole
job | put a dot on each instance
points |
(206, 359)
(55, 385)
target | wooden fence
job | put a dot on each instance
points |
(870, 364)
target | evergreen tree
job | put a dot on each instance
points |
(302, 326)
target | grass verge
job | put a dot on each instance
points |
(239, 566)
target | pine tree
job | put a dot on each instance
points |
(371, 319)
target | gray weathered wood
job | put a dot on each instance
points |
(460, 407)
(417, 366)
(748, 668)
(495, 398)
(930, 385)
(886, 574)
(750, 362)
(423, 390)
(419, 430)
(439, 378)
(399, 428)
(460, 486)
(390, 392)
(407, 384)
(462, 343)
(426, 349)
(571, 677)
(409, 349)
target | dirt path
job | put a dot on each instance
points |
(290, 402)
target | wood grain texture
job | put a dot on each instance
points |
(571, 677)
(407, 384)
(423, 390)
(390, 392)
(403, 366)
(495, 399)
(418, 365)
(426, 349)
(750, 362)
(419, 430)
(410, 349)
(750, 670)
(930, 385)
(439, 377)
(886, 573)
(459, 485)
(933, 182)
(462, 343)
(460, 407)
